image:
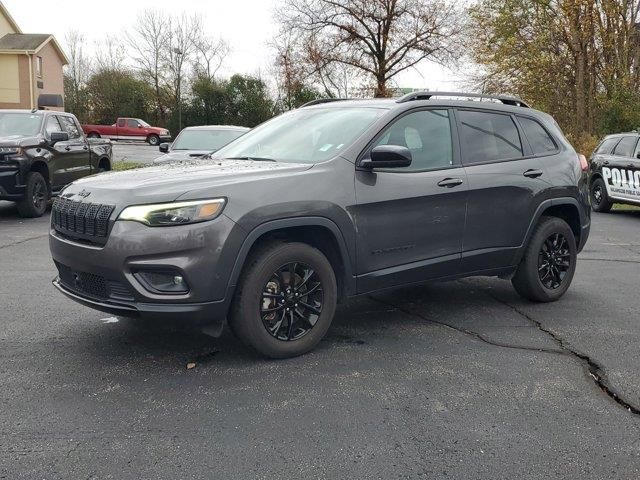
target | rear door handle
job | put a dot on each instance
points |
(533, 173)
(450, 182)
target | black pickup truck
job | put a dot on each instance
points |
(41, 152)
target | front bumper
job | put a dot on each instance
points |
(102, 277)
(11, 186)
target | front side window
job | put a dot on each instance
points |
(70, 127)
(488, 137)
(306, 135)
(52, 126)
(427, 135)
(539, 139)
(131, 123)
(626, 147)
(607, 145)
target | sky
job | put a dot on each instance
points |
(247, 26)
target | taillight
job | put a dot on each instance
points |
(584, 165)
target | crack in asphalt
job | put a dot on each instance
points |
(23, 241)
(465, 331)
(593, 368)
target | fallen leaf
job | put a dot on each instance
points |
(190, 366)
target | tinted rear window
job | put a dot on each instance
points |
(539, 139)
(625, 147)
(607, 145)
(489, 137)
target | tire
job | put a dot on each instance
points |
(268, 272)
(153, 140)
(600, 201)
(36, 198)
(535, 282)
(93, 135)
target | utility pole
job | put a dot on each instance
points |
(178, 53)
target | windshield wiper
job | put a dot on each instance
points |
(255, 159)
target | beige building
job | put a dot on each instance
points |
(30, 67)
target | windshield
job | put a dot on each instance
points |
(18, 123)
(307, 135)
(143, 123)
(207, 140)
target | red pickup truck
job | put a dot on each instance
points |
(129, 129)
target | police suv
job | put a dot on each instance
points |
(615, 172)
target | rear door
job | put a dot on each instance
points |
(506, 185)
(621, 170)
(410, 221)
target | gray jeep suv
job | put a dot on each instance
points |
(325, 202)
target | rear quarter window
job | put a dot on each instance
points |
(539, 139)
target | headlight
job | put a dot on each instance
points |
(10, 150)
(176, 213)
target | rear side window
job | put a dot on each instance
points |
(625, 147)
(488, 137)
(539, 139)
(607, 145)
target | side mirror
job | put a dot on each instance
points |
(59, 137)
(139, 126)
(388, 156)
(164, 147)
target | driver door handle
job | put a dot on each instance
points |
(532, 173)
(450, 182)
(67, 148)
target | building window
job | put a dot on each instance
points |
(39, 67)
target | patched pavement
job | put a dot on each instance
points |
(454, 380)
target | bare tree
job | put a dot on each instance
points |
(379, 38)
(110, 54)
(76, 75)
(149, 44)
(210, 53)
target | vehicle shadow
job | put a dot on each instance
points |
(362, 323)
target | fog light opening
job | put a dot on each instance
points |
(163, 282)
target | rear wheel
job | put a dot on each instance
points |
(34, 203)
(549, 263)
(153, 140)
(93, 135)
(600, 201)
(285, 301)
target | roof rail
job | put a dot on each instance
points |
(320, 101)
(425, 95)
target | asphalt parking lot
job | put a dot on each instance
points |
(456, 380)
(138, 152)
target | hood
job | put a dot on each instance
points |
(180, 155)
(19, 141)
(167, 182)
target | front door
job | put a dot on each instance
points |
(75, 151)
(621, 170)
(410, 221)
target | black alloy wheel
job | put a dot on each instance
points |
(554, 261)
(292, 301)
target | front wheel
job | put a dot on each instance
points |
(285, 301)
(600, 201)
(153, 140)
(34, 203)
(93, 135)
(549, 262)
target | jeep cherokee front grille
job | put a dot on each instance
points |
(86, 221)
